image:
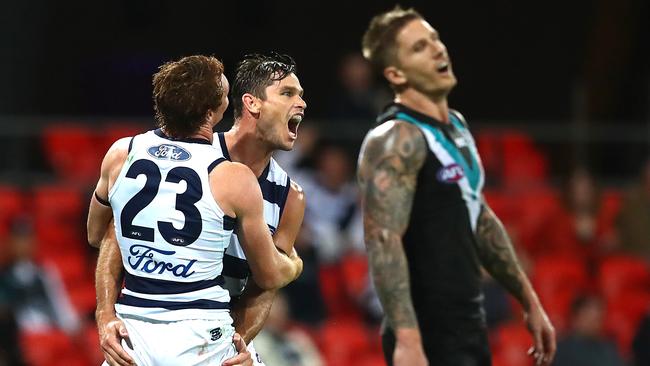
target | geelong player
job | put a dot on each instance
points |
(268, 108)
(176, 201)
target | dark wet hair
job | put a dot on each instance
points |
(256, 72)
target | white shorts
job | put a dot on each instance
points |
(187, 342)
(257, 360)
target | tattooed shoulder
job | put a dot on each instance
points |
(390, 160)
(398, 143)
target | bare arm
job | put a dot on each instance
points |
(108, 275)
(99, 214)
(252, 308)
(498, 257)
(270, 269)
(108, 280)
(389, 162)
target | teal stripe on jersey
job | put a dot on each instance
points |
(473, 175)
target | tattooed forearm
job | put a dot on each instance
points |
(388, 165)
(498, 255)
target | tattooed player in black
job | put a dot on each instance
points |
(428, 229)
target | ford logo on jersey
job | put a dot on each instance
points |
(142, 258)
(169, 152)
(450, 174)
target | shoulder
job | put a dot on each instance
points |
(117, 153)
(296, 193)
(233, 170)
(394, 138)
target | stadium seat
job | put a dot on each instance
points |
(354, 268)
(510, 344)
(523, 165)
(344, 342)
(74, 153)
(558, 280)
(52, 348)
(57, 201)
(623, 317)
(621, 274)
(114, 132)
(338, 303)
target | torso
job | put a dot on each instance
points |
(171, 231)
(439, 241)
(275, 184)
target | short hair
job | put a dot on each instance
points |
(378, 42)
(184, 91)
(256, 72)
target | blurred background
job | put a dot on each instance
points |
(557, 95)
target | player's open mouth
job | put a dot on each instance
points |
(443, 67)
(294, 121)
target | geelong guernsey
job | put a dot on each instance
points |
(172, 233)
(274, 183)
(439, 241)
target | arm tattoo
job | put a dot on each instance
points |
(389, 163)
(498, 255)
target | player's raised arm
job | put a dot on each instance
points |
(389, 162)
(270, 268)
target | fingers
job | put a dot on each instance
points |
(537, 350)
(243, 357)
(550, 345)
(112, 348)
(117, 354)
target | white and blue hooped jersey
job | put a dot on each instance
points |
(171, 231)
(274, 183)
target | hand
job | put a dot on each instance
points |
(540, 327)
(408, 349)
(111, 333)
(243, 357)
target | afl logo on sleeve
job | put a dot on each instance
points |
(450, 174)
(169, 152)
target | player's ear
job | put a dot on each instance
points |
(251, 103)
(394, 75)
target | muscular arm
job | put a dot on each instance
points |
(498, 257)
(389, 162)
(99, 215)
(108, 276)
(270, 269)
(252, 308)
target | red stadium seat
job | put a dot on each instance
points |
(74, 153)
(53, 348)
(523, 165)
(114, 132)
(354, 269)
(624, 316)
(344, 342)
(558, 280)
(623, 274)
(58, 212)
(338, 303)
(510, 345)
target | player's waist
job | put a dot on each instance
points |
(147, 292)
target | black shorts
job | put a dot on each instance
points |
(471, 349)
